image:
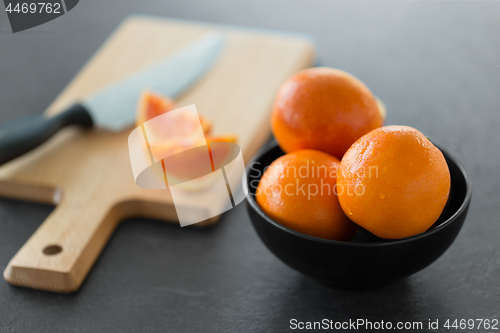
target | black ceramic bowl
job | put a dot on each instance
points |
(366, 261)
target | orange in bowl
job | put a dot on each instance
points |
(393, 182)
(324, 109)
(298, 191)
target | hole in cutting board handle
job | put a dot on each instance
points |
(50, 250)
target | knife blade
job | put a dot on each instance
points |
(113, 107)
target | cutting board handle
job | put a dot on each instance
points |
(59, 255)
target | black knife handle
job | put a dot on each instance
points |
(22, 135)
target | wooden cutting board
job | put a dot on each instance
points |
(87, 173)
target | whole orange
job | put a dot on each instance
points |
(298, 191)
(393, 182)
(324, 109)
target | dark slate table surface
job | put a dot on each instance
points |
(436, 64)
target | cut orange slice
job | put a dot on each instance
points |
(152, 105)
(188, 155)
(193, 169)
(220, 154)
(223, 138)
(197, 161)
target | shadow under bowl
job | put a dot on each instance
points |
(366, 261)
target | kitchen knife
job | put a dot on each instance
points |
(114, 107)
